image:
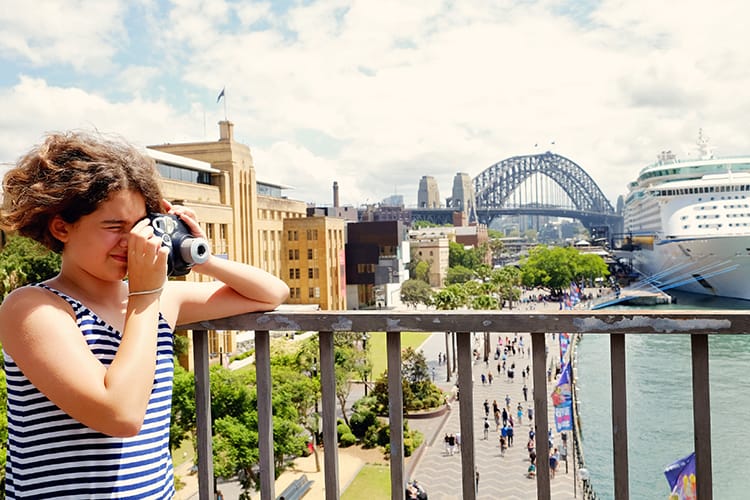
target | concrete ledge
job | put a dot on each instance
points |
(431, 413)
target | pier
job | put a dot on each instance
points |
(634, 296)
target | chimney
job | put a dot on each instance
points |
(226, 132)
(335, 194)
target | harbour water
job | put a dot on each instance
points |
(660, 420)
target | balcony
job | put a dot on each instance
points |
(617, 324)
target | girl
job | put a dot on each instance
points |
(88, 355)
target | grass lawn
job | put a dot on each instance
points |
(379, 355)
(373, 481)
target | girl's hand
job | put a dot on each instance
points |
(147, 258)
(188, 216)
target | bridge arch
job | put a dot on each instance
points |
(494, 186)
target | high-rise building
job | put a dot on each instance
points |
(314, 263)
(376, 258)
(428, 195)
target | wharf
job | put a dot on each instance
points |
(635, 297)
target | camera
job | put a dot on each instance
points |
(185, 250)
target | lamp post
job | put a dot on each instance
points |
(365, 337)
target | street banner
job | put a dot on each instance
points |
(564, 344)
(562, 400)
(681, 478)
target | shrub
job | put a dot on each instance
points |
(347, 439)
(342, 429)
(361, 421)
(370, 439)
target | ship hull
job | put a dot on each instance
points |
(717, 266)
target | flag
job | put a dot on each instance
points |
(564, 344)
(562, 399)
(681, 478)
(221, 94)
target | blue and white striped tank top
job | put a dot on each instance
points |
(51, 455)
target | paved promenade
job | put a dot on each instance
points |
(500, 477)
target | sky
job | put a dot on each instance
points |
(376, 94)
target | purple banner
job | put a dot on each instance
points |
(681, 478)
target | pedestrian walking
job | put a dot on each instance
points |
(554, 458)
(484, 379)
(509, 435)
(489, 377)
(525, 392)
(486, 428)
(486, 408)
(507, 401)
(451, 444)
(519, 414)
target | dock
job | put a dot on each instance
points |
(635, 295)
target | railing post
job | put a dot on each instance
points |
(541, 421)
(466, 414)
(396, 415)
(265, 414)
(203, 415)
(701, 416)
(619, 415)
(330, 439)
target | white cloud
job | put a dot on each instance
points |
(81, 33)
(376, 94)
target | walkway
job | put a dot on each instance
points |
(500, 477)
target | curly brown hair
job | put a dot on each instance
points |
(70, 174)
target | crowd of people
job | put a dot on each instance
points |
(508, 416)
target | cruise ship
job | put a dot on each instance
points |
(687, 224)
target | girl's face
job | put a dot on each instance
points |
(98, 242)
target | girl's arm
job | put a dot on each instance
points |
(237, 288)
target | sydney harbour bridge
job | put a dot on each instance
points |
(544, 184)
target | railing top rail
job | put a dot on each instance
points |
(576, 321)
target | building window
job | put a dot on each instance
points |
(293, 236)
(296, 273)
(312, 234)
(291, 273)
(311, 293)
(310, 254)
(313, 273)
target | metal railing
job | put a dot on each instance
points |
(617, 324)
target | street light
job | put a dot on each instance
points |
(365, 337)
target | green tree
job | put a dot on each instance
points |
(460, 256)
(25, 261)
(507, 282)
(422, 271)
(450, 297)
(458, 274)
(415, 291)
(555, 268)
